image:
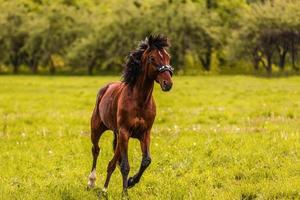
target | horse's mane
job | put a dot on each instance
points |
(133, 65)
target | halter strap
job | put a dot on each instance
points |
(163, 68)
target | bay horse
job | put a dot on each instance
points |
(128, 109)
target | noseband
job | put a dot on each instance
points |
(163, 68)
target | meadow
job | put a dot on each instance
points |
(215, 137)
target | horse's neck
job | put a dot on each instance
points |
(143, 90)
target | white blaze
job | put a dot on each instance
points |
(160, 54)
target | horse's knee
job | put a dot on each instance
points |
(146, 161)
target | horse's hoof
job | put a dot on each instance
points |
(130, 182)
(125, 195)
(90, 186)
(92, 180)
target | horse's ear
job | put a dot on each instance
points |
(150, 40)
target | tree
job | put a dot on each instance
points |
(12, 35)
(269, 31)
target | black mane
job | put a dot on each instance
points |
(133, 65)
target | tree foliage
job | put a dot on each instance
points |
(270, 33)
(76, 35)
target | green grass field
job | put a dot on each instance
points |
(222, 137)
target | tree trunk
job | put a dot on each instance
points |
(52, 69)
(14, 62)
(91, 66)
(206, 60)
(282, 51)
(15, 69)
(90, 69)
(34, 69)
(282, 57)
(293, 52)
(33, 66)
(256, 60)
(269, 63)
(263, 63)
(256, 64)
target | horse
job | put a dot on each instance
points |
(127, 108)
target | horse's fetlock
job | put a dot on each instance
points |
(136, 178)
(96, 150)
(146, 161)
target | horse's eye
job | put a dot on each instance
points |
(151, 60)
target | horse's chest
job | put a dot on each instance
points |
(138, 126)
(138, 122)
(135, 118)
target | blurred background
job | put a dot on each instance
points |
(230, 133)
(94, 36)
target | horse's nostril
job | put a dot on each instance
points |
(166, 86)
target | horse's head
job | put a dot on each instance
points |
(157, 62)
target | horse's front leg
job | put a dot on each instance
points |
(146, 160)
(124, 165)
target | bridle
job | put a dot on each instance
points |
(163, 68)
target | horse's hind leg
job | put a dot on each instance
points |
(121, 149)
(115, 141)
(97, 129)
(112, 165)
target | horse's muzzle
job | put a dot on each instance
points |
(166, 86)
(164, 77)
